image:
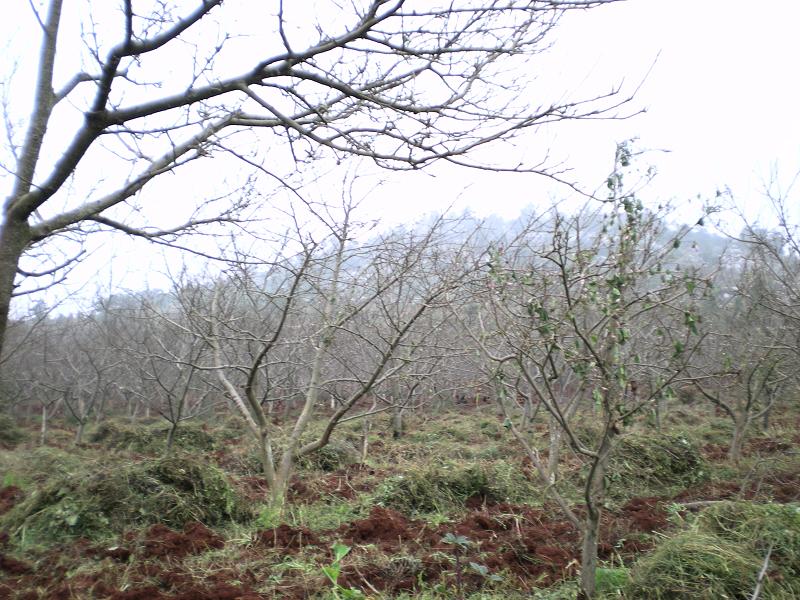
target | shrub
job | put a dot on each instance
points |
(694, 566)
(758, 527)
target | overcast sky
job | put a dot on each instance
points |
(722, 99)
(719, 85)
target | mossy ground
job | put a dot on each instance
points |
(118, 518)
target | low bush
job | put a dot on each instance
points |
(758, 527)
(694, 566)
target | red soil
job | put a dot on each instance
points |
(9, 496)
(161, 541)
(286, 537)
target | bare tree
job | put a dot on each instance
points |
(400, 82)
(750, 358)
(341, 298)
(598, 306)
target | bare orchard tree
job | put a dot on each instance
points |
(339, 298)
(122, 96)
(90, 364)
(750, 361)
(166, 356)
(604, 307)
(775, 252)
(40, 374)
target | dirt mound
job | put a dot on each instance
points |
(645, 514)
(12, 566)
(767, 446)
(286, 537)
(161, 541)
(9, 496)
(145, 593)
(383, 526)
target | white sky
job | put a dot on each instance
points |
(722, 99)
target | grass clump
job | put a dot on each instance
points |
(43, 463)
(10, 433)
(721, 554)
(151, 439)
(331, 457)
(758, 527)
(694, 566)
(656, 461)
(171, 490)
(441, 488)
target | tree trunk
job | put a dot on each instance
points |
(594, 495)
(397, 422)
(79, 432)
(554, 450)
(740, 427)
(173, 429)
(365, 427)
(280, 484)
(766, 416)
(43, 430)
(527, 413)
(658, 409)
(14, 238)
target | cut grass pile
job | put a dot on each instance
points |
(721, 554)
(336, 455)
(151, 439)
(10, 433)
(655, 461)
(448, 486)
(95, 504)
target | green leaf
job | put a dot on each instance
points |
(481, 570)
(455, 540)
(339, 551)
(332, 572)
(690, 322)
